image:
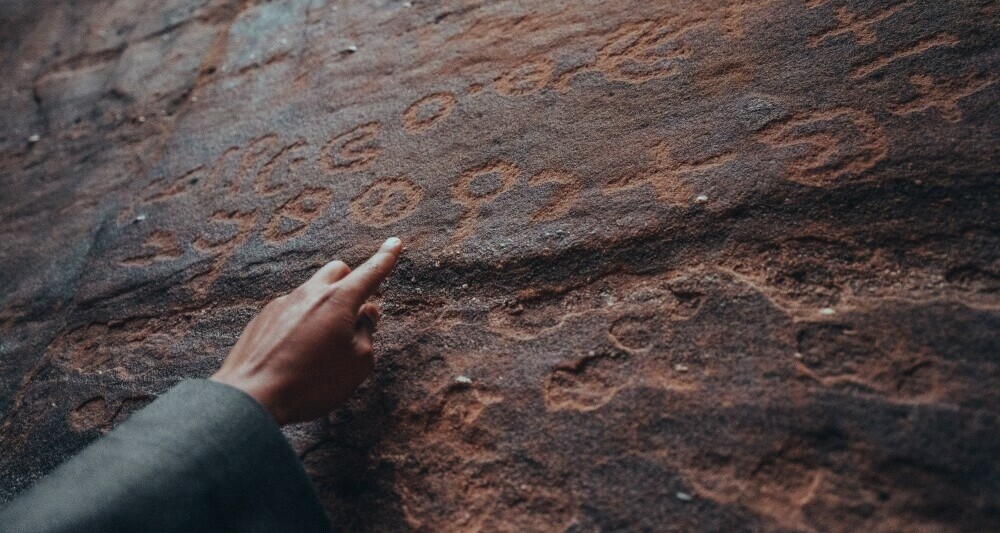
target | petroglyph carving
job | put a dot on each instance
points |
(463, 405)
(828, 145)
(917, 49)
(235, 227)
(294, 216)
(644, 51)
(623, 44)
(635, 52)
(352, 150)
(837, 356)
(585, 385)
(428, 111)
(226, 232)
(733, 15)
(251, 156)
(221, 174)
(160, 246)
(277, 171)
(835, 350)
(525, 79)
(527, 320)
(941, 95)
(162, 189)
(732, 19)
(633, 332)
(268, 178)
(863, 28)
(386, 201)
(565, 195)
(667, 176)
(106, 346)
(94, 413)
(638, 51)
(102, 415)
(780, 485)
(228, 171)
(479, 186)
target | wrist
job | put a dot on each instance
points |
(259, 394)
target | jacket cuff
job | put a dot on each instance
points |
(257, 481)
(202, 457)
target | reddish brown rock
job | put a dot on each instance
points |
(722, 265)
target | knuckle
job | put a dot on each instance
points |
(338, 268)
(334, 295)
(333, 292)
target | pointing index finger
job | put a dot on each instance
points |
(363, 281)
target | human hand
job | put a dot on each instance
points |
(307, 351)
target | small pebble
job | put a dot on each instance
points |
(142, 119)
(34, 138)
(827, 311)
(140, 218)
(684, 497)
(797, 355)
(465, 286)
(681, 368)
(351, 49)
(407, 4)
(194, 98)
(464, 380)
(701, 199)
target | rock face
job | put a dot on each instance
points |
(716, 265)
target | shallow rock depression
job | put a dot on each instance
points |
(726, 265)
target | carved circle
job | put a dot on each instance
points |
(525, 79)
(633, 332)
(428, 111)
(486, 182)
(387, 201)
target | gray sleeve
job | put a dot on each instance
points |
(203, 457)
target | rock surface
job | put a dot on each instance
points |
(697, 265)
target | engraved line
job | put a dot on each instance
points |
(944, 39)
(861, 27)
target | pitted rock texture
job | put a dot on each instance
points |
(725, 265)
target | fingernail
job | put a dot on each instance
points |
(391, 242)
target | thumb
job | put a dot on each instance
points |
(365, 325)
